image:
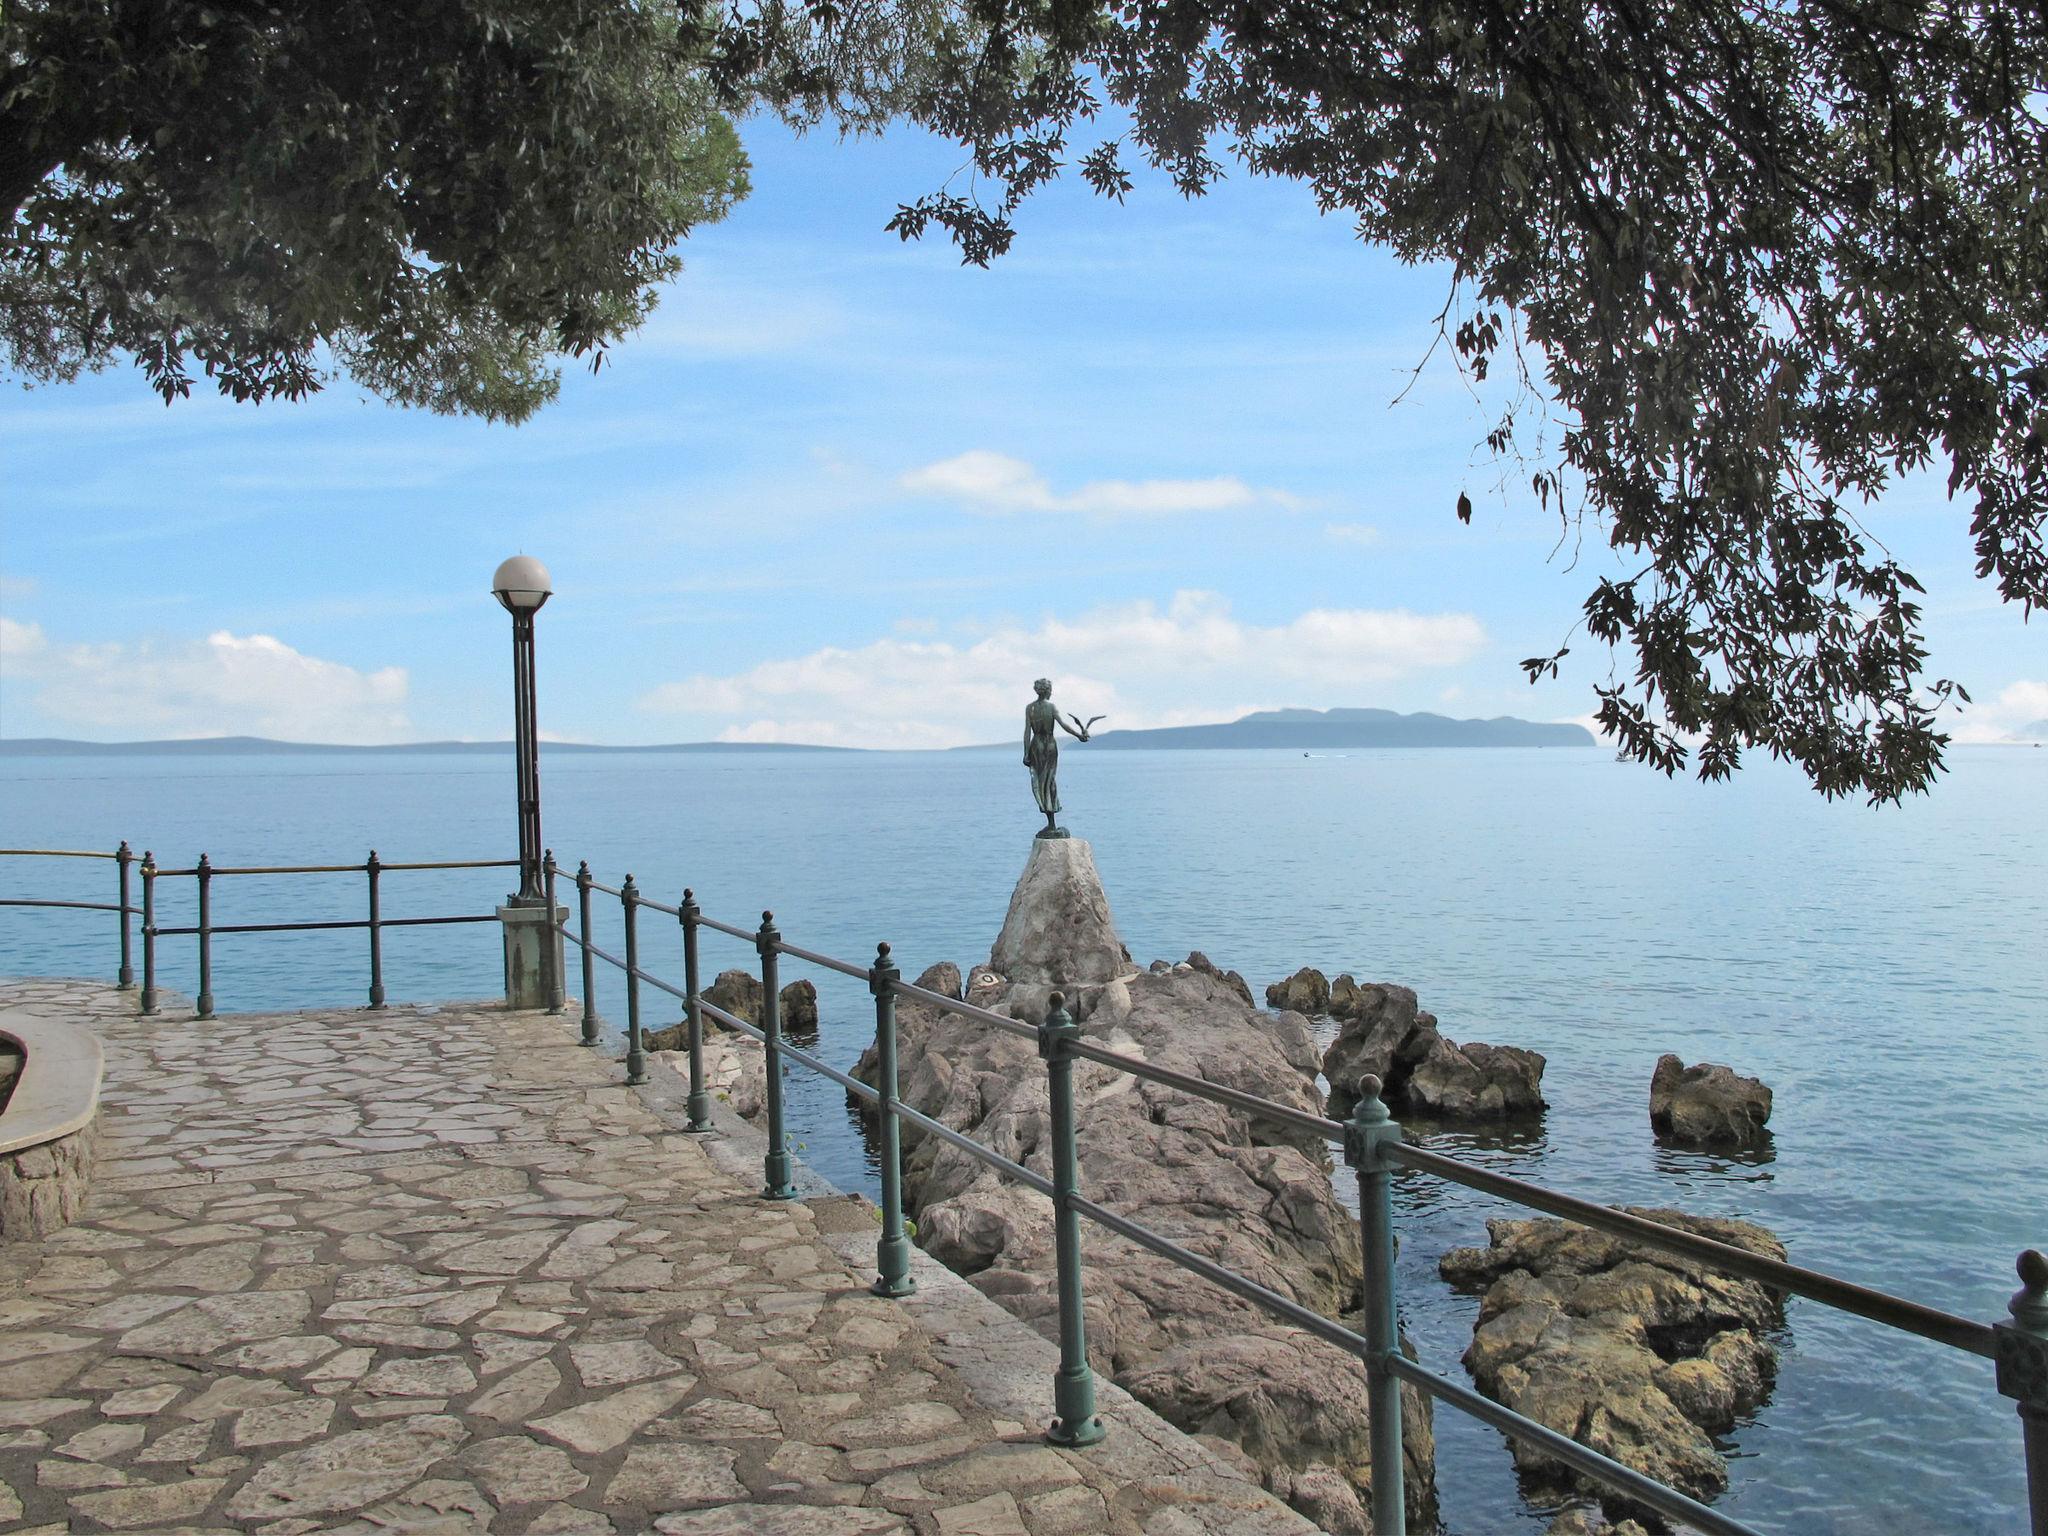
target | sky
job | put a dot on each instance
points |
(841, 489)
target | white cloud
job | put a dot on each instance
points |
(1137, 663)
(2005, 717)
(224, 685)
(995, 482)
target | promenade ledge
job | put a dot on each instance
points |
(436, 1269)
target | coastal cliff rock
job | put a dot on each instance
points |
(1707, 1105)
(1345, 999)
(1389, 1037)
(1253, 1196)
(1640, 1355)
(1306, 991)
(738, 993)
(1058, 933)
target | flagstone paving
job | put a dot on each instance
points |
(436, 1270)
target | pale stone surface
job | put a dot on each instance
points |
(481, 1287)
(1058, 931)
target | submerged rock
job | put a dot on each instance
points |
(1707, 1105)
(1638, 1354)
(1421, 1071)
(1256, 1197)
(1306, 991)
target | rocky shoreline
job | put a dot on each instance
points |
(1643, 1357)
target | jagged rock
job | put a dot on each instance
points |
(1587, 1520)
(1420, 1070)
(1707, 1105)
(1324, 1496)
(738, 993)
(1345, 998)
(1252, 1195)
(1306, 991)
(1201, 962)
(1638, 1354)
(799, 1007)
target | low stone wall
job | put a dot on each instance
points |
(42, 1188)
(46, 1129)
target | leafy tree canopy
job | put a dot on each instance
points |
(1755, 258)
(450, 195)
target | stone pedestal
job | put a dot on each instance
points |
(1059, 935)
(526, 932)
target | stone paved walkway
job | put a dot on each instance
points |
(435, 1270)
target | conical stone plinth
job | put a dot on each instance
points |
(1059, 934)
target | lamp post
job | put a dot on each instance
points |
(533, 955)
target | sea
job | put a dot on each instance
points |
(1885, 970)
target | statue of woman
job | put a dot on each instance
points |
(1042, 751)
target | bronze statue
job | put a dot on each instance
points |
(1042, 751)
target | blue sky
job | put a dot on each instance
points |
(843, 489)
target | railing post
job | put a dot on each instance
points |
(551, 946)
(636, 1054)
(1367, 1135)
(689, 914)
(892, 1250)
(125, 977)
(205, 1000)
(1075, 1422)
(148, 931)
(2021, 1352)
(373, 869)
(776, 1183)
(590, 1020)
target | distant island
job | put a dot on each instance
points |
(254, 746)
(1314, 730)
(1301, 729)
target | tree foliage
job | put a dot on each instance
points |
(1755, 258)
(449, 196)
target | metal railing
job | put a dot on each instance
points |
(204, 873)
(1372, 1146)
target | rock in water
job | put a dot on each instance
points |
(799, 1009)
(1345, 998)
(1640, 1355)
(1306, 991)
(738, 993)
(1707, 1105)
(1422, 1071)
(1253, 1196)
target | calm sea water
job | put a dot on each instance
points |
(1884, 971)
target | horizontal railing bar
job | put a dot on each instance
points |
(738, 933)
(964, 1010)
(454, 864)
(973, 1148)
(85, 906)
(1668, 1502)
(659, 985)
(1281, 1306)
(382, 922)
(57, 853)
(843, 967)
(656, 906)
(734, 1021)
(1893, 1311)
(602, 954)
(288, 869)
(1202, 1088)
(903, 1111)
(609, 890)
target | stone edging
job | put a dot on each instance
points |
(46, 1132)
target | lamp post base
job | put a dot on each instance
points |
(528, 938)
